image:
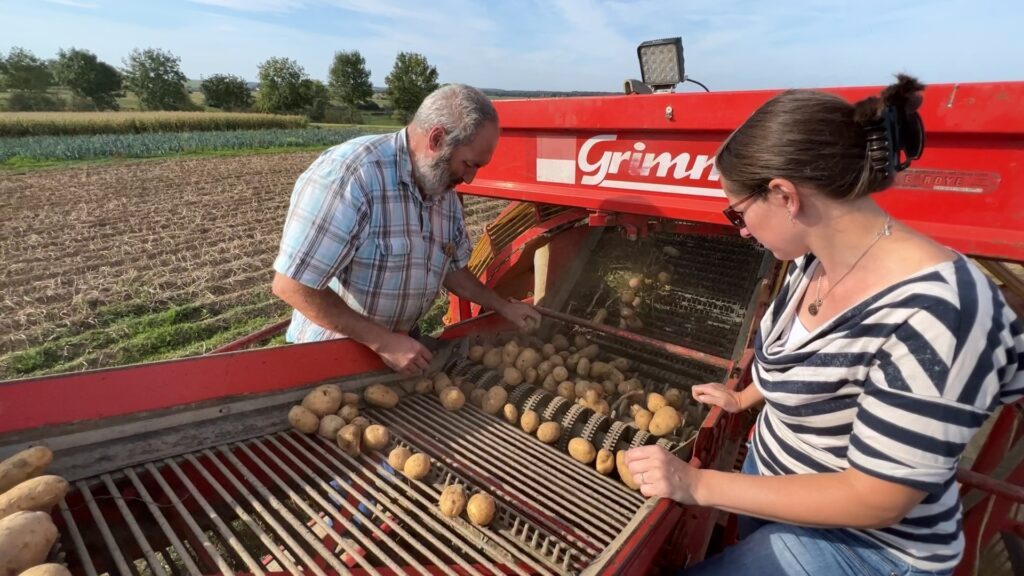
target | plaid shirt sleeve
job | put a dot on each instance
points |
(463, 248)
(327, 222)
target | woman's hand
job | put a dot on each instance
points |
(717, 395)
(660, 474)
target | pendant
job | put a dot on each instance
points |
(813, 308)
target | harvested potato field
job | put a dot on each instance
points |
(133, 262)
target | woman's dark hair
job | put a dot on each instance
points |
(843, 150)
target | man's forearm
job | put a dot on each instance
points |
(465, 285)
(328, 310)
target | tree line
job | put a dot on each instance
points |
(155, 77)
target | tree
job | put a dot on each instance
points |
(409, 82)
(88, 77)
(349, 79)
(315, 98)
(21, 70)
(281, 88)
(155, 76)
(227, 92)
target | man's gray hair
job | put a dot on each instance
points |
(459, 109)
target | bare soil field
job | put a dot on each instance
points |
(132, 262)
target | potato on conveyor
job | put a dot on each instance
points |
(476, 353)
(548, 350)
(452, 398)
(361, 422)
(530, 376)
(510, 413)
(665, 421)
(476, 397)
(560, 374)
(303, 420)
(25, 541)
(627, 296)
(38, 494)
(47, 570)
(349, 438)
(605, 462)
(424, 386)
(656, 402)
(380, 396)
(329, 426)
(549, 432)
(348, 398)
(398, 457)
(529, 421)
(323, 400)
(452, 501)
(348, 412)
(417, 467)
(560, 342)
(642, 418)
(664, 277)
(635, 282)
(620, 465)
(441, 381)
(582, 450)
(512, 376)
(671, 251)
(509, 353)
(674, 397)
(480, 509)
(583, 367)
(376, 437)
(495, 399)
(567, 390)
(492, 358)
(23, 465)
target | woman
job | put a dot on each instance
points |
(881, 356)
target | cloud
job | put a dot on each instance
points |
(75, 4)
(274, 6)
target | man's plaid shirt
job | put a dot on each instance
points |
(359, 225)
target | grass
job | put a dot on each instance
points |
(19, 124)
(20, 164)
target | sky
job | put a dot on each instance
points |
(562, 45)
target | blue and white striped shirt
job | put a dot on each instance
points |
(895, 387)
(359, 225)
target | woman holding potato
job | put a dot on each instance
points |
(881, 356)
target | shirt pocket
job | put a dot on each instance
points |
(393, 263)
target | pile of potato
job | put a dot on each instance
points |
(479, 508)
(27, 533)
(576, 370)
(334, 414)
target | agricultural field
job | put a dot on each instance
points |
(129, 262)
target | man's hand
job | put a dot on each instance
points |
(524, 316)
(403, 354)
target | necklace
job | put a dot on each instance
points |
(815, 306)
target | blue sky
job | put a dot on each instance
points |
(549, 44)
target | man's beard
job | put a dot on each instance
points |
(435, 177)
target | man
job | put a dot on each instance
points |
(375, 228)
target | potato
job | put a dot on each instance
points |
(348, 412)
(25, 541)
(39, 494)
(583, 367)
(349, 398)
(303, 420)
(480, 509)
(467, 387)
(600, 316)
(581, 387)
(627, 312)
(592, 396)
(605, 462)
(398, 457)
(624, 475)
(560, 374)
(549, 432)
(642, 418)
(476, 353)
(631, 385)
(361, 422)
(601, 407)
(417, 467)
(674, 397)
(615, 377)
(608, 388)
(620, 363)
(376, 437)
(544, 369)
(528, 358)
(572, 361)
(329, 426)
(452, 501)
(509, 353)
(441, 381)
(548, 350)
(664, 277)
(452, 398)
(492, 358)
(530, 376)
(567, 390)
(495, 399)
(529, 421)
(582, 450)
(627, 296)
(349, 438)
(510, 413)
(559, 342)
(380, 396)
(670, 251)
(476, 397)
(635, 282)
(512, 376)
(26, 464)
(323, 400)
(656, 402)
(665, 421)
(557, 360)
(47, 570)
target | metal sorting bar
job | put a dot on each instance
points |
(133, 526)
(208, 547)
(632, 336)
(101, 523)
(76, 538)
(283, 510)
(162, 522)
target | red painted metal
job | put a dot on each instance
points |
(641, 339)
(53, 400)
(998, 488)
(254, 338)
(965, 190)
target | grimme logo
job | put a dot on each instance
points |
(608, 162)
